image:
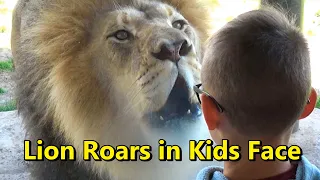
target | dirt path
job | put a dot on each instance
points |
(12, 164)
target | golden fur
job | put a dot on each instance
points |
(74, 85)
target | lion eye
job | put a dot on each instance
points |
(179, 24)
(122, 35)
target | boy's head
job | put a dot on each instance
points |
(257, 68)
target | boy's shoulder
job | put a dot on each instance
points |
(305, 171)
(211, 173)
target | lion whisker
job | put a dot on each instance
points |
(131, 103)
(116, 5)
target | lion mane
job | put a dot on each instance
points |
(63, 101)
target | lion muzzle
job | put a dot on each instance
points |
(173, 51)
(174, 46)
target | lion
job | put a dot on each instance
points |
(116, 72)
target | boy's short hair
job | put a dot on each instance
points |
(258, 68)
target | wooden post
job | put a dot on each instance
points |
(296, 8)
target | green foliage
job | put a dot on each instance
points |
(318, 103)
(3, 29)
(4, 10)
(211, 3)
(214, 2)
(6, 65)
(8, 106)
(2, 91)
(317, 18)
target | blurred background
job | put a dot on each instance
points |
(222, 11)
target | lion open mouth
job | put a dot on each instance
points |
(178, 110)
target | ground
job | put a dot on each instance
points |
(12, 164)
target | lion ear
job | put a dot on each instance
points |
(197, 13)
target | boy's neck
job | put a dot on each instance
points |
(258, 169)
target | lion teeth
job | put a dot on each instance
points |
(189, 111)
(161, 118)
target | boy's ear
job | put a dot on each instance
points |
(309, 107)
(210, 112)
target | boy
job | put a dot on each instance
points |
(256, 83)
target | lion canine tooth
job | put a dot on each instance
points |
(189, 111)
(161, 118)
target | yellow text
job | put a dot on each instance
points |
(268, 153)
(220, 152)
(120, 153)
(51, 153)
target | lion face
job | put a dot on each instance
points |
(89, 70)
(150, 53)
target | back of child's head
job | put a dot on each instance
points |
(257, 67)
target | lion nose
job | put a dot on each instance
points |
(173, 51)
